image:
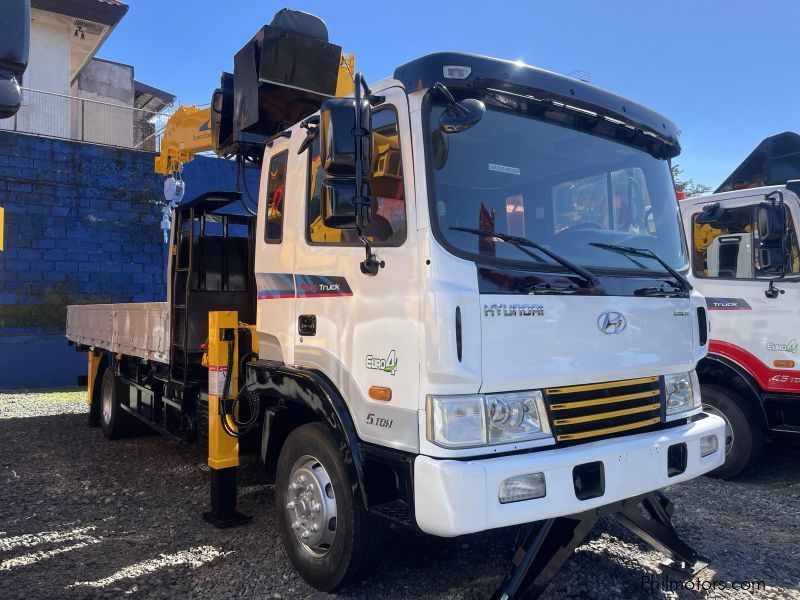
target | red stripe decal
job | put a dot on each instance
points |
(771, 380)
(323, 294)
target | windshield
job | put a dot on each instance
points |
(562, 188)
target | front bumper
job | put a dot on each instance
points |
(454, 497)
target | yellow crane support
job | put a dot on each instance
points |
(187, 132)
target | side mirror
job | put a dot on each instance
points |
(771, 220)
(343, 154)
(338, 209)
(346, 155)
(15, 22)
(338, 142)
(713, 214)
(772, 259)
(461, 116)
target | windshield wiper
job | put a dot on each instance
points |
(629, 251)
(661, 291)
(548, 288)
(523, 243)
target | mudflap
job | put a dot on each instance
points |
(548, 544)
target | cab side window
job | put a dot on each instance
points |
(388, 226)
(276, 190)
(728, 249)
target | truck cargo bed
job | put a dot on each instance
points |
(139, 329)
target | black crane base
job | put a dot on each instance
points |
(548, 544)
(223, 513)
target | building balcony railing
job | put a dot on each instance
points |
(82, 119)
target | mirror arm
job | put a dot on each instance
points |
(371, 265)
(371, 98)
(313, 132)
(312, 125)
(452, 103)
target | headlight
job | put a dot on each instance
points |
(469, 421)
(683, 392)
(514, 417)
(457, 421)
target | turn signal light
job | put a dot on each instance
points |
(380, 393)
(784, 364)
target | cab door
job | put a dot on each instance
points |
(281, 182)
(756, 329)
(362, 331)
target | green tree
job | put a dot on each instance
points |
(688, 185)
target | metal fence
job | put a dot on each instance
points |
(81, 119)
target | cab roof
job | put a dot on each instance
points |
(484, 71)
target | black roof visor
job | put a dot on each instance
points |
(485, 72)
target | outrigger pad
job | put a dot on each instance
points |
(548, 544)
(223, 513)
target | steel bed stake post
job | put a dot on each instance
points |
(223, 449)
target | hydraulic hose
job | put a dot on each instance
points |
(228, 411)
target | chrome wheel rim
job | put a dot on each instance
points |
(311, 506)
(108, 401)
(728, 429)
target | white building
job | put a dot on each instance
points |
(70, 94)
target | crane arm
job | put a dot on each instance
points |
(188, 131)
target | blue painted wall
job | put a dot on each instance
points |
(82, 226)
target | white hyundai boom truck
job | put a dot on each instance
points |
(459, 303)
(746, 262)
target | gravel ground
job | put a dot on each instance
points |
(84, 517)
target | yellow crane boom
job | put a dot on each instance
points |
(188, 131)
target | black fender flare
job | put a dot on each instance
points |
(715, 361)
(282, 387)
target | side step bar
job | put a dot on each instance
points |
(548, 544)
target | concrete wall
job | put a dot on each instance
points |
(82, 226)
(108, 84)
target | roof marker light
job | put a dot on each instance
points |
(456, 71)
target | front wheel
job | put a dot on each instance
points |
(328, 535)
(744, 436)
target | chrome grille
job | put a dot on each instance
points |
(582, 412)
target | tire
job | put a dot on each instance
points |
(313, 488)
(114, 421)
(744, 435)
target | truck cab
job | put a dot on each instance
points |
(477, 356)
(745, 261)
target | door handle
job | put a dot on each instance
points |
(307, 325)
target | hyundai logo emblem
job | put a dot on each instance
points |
(611, 323)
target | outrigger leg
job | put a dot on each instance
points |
(548, 544)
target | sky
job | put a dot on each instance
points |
(726, 72)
